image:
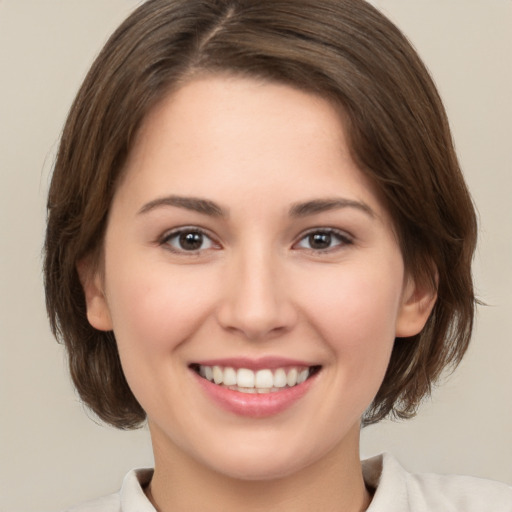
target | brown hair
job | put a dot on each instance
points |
(344, 50)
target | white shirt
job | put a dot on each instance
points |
(396, 490)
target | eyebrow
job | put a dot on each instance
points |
(302, 209)
(322, 205)
(195, 204)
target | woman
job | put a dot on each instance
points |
(259, 239)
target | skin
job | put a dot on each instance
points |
(256, 287)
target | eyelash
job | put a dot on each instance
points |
(342, 238)
(177, 233)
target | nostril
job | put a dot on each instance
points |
(256, 304)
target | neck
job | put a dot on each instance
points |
(334, 483)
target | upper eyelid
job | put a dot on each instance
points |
(345, 240)
(171, 233)
(183, 229)
(215, 239)
(336, 231)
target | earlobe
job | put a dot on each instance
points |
(98, 312)
(417, 304)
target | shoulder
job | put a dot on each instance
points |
(131, 497)
(400, 491)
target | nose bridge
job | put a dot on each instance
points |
(255, 302)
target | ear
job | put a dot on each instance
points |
(417, 303)
(98, 312)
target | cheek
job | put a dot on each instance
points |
(355, 313)
(154, 310)
(358, 307)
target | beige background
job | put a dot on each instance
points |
(51, 454)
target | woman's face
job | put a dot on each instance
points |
(245, 246)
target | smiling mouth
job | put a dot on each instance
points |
(265, 380)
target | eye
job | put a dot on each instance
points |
(188, 240)
(323, 240)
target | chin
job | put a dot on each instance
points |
(265, 459)
(260, 468)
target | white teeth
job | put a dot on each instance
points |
(245, 378)
(291, 379)
(303, 375)
(248, 381)
(229, 377)
(264, 379)
(247, 390)
(280, 378)
(218, 375)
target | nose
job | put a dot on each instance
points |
(256, 301)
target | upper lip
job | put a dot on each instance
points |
(266, 362)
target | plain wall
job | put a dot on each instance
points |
(52, 455)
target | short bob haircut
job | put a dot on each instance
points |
(343, 50)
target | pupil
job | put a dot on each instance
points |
(191, 241)
(320, 240)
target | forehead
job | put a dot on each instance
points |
(248, 135)
(237, 108)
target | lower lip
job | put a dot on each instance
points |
(255, 405)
